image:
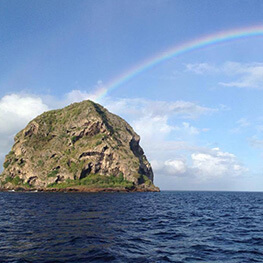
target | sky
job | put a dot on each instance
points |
(199, 113)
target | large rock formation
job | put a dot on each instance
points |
(82, 146)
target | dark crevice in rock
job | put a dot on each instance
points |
(140, 180)
(89, 154)
(138, 152)
(53, 155)
(32, 180)
(94, 129)
(136, 148)
(31, 130)
(59, 178)
(129, 131)
(86, 171)
(105, 148)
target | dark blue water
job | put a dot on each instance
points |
(131, 227)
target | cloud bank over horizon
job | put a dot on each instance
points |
(206, 165)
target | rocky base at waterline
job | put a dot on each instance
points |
(82, 147)
(85, 189)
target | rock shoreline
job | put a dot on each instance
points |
(84, 190)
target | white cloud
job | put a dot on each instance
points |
(247, 75)
(190, 129)
(187, 109)
(76, 95)
(250, 75)
(201, 68)
(217, 164)
(175, 167)
(241, 124)
(15, 112)
(181, 109)
(256, 143)
(204, 165)
(150, 127)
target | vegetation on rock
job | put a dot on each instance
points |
(80, 145)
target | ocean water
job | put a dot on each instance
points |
(131, 227)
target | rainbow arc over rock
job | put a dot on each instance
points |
(202, 42)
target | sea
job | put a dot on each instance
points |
(169, 226)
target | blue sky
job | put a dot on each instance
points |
(199, 115)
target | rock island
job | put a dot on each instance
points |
(82, 147)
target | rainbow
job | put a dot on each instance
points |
(208, 40)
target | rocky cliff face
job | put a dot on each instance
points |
(67, 147)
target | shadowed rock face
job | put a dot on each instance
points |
(73, 143)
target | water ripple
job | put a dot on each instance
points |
(131, 227)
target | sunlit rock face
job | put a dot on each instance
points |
(74, 143)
